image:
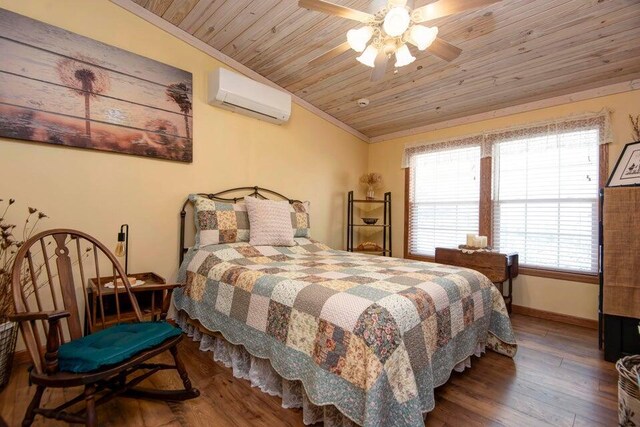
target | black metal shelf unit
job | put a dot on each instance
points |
(385, 226)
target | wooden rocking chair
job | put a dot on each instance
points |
(45, 273)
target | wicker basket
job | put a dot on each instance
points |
(628, 392)
(8, 333)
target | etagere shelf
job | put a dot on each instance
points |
(385, 226)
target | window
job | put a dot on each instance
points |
(444, 198)
(545, 200)
(532, 190)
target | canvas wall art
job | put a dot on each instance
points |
(58, 87)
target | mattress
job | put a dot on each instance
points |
(372, 336)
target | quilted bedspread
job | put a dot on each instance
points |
(372, 336)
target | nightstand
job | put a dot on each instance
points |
(152, 296)
(498, 267)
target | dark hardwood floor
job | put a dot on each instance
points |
(557, 378)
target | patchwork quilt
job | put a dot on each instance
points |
(370, 335)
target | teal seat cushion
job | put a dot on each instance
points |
(113, 345)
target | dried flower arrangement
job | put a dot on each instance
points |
(635, 124)
(9, 245)
(372, 180)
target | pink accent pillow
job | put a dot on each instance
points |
(269, 222)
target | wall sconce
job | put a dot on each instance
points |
(122, 248)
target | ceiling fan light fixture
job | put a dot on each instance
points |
(396, 21)
(358, 38)
(403, 56)
(422, 36)
(368, 57)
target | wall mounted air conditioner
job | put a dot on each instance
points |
(238, 93)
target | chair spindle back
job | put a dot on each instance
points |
(45, 274)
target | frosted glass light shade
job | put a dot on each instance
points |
(422, 36)
(368, 57)
(359, 38)
(396, 22)
(403, 56)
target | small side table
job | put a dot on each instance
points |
(150, 297)
(498, 267)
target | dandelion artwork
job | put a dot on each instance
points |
(62, 88)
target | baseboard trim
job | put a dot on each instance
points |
(556, 317)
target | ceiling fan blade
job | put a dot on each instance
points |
(442, 8)
(444, 50)
(380, 66)
(376, 6)
(334, 9)
(420, 3)
(330, 54)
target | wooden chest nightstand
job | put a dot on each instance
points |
(498, 267)
(150, 296)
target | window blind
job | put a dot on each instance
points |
(545, 198)
(444, 194)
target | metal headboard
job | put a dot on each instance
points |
(220, 196)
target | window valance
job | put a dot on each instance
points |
(486, 140)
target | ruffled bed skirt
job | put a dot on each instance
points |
(262, 375)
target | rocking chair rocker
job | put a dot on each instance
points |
(46, 300)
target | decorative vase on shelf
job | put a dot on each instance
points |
(371, 192)
(371, 181)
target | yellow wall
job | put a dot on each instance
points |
(576, 299)
(308, 158)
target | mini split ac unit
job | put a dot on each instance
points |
(238, 93)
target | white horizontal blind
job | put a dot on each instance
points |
(545, 195)
(444, 194)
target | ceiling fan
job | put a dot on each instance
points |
(388, 31)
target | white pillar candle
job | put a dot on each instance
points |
(471, 239)
(483, 241)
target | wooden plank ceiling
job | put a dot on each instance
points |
(514, 52)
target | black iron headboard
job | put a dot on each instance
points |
(254, 192)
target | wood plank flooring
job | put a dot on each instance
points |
(557, 378)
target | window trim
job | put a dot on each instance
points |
(485, 220)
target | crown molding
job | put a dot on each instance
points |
(175, 31)
(612, 89)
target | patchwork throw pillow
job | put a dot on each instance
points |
(219, 222)
(270, 222)
(300, 219)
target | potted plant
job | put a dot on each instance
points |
(9, 245)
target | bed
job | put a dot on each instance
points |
(350, 338)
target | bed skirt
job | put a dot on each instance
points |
(262, 375)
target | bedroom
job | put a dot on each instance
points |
(523, 65)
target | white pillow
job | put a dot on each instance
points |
(269, 222)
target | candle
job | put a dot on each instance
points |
(483, 241)
(471, 239)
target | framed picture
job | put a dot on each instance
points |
(58, 87)
(627, 170)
